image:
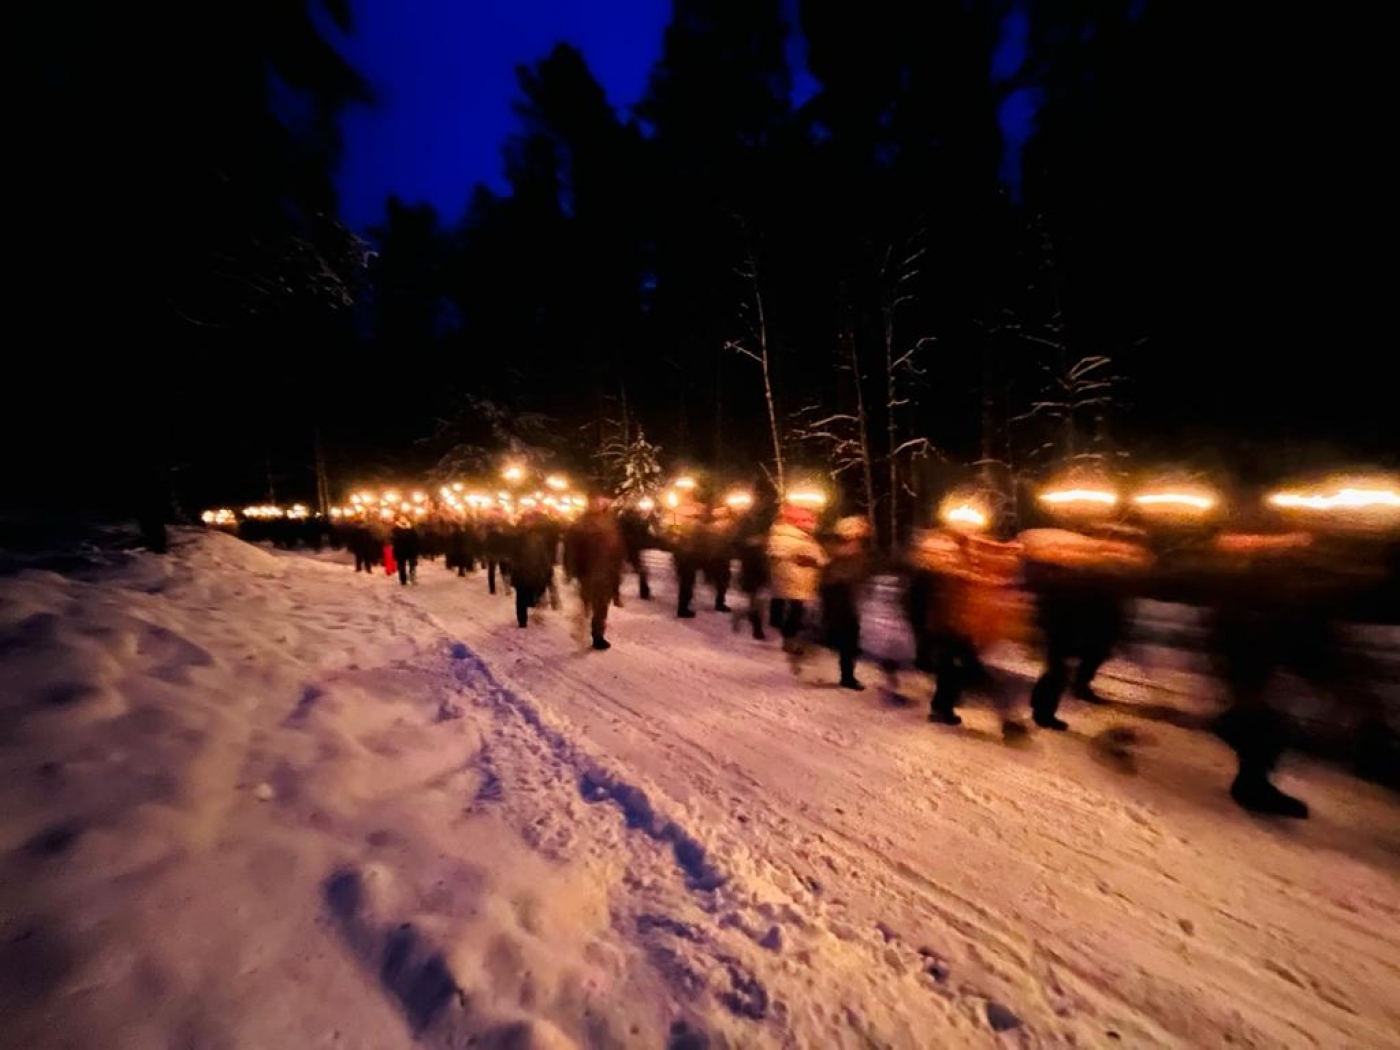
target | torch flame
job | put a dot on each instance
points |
(1174, 499)
(965, 514)
(1099, 496)
(1342, 499)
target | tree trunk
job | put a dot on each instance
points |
(867, 461)
(768, 383)
(323, 486)
(891, 430)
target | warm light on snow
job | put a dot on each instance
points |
(237, 774)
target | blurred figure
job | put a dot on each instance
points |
(498, 544)
(717, 553)
(458, 549)
(637, 537)
(383, 538)
(594, 552)
(362, 544)
(842, 581)
(687, 525)
(754, 576)
(534, 564)
(1081, 584)
(795, 561)
(554, 539)
(1278, 605)
(406, 544)
(972, 601)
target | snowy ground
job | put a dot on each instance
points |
(255, 800)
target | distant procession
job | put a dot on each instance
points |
(1277, 580)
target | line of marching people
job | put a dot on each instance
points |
(1274, 600)
(1274, 603)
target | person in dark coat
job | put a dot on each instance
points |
(457, 554)
(842, 578)
(1081, 583)
(594, 555)
(533, 569)
(498, 549)
(406, 544)
(751, 542)
(362, 544)
(717, 552)
(686, 527)
(635, 526)
(1278, 602)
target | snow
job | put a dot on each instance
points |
(255, 800)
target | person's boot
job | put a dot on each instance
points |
(601, 644)
(1045, 699)
(1014, 731)
(1258, 795)
(848, 676)
(943, 714)
(644, 592)
(685, 614)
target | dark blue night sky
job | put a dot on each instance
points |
(444, 74)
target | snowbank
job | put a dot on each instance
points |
(235, 815)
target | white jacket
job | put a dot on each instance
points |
(788, 549)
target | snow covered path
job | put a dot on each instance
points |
(257, 800)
